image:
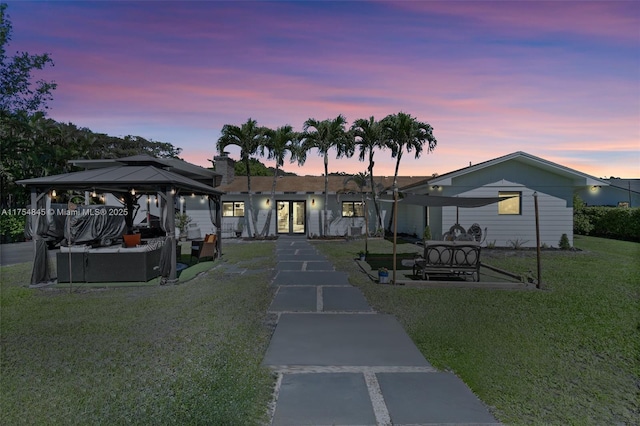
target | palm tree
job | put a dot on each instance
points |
(369, 136)
(362, 181)
(249, 137)
(403, 132)
(278, 142)
(324, 135)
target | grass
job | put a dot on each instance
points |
(185, 354)
(564, 355)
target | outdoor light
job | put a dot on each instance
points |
(173, 191)
(268, 201)
(53, 193)
(193, 194)
(133, 191)
(93, 194)
(435, 187)
(148, 200)
(313, 201)
(182, 199)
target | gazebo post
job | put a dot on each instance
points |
(218, 205)
(171, 229)
(34, 223)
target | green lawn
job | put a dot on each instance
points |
(184, 354)
(564, 355)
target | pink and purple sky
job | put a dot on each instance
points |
(557, 79)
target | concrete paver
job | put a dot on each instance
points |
(323, 399)
(427, 398)
(290, 265)
(295, 299)
(342, 340)
(301, 257)
(349, 299)
(311, 278)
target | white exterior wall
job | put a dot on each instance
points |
(410, 219)
(554, 216)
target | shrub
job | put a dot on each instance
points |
(12, 227)
(426, 235)
(564, 242)
(619, 223)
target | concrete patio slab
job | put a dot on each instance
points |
(312, 278)
(300, 299)
(323, 399)
(427, 398)
(341, 340)
(349, 299)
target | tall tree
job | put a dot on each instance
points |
(249, 138)
(17, 90)
(402, 132)
(278, 143)
(324, 136)
(369, 136)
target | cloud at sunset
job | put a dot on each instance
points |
(556, 79)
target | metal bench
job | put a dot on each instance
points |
(449, 258)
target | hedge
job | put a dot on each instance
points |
(618, 223)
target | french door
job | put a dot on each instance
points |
(291, 217)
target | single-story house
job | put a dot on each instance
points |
(299, 203)
(511, 222)
(517, 177)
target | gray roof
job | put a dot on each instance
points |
(119, 178)
(173, 164)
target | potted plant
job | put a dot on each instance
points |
(383, 276)
(182, 220)
(362, 255)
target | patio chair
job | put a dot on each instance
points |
(205, 248)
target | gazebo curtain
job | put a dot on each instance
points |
(39, 226)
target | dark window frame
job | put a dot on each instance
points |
(353, 208)
(233, 208)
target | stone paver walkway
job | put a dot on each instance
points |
(341, 363)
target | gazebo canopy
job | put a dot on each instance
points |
(121, 178)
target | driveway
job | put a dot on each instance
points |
(11, 254)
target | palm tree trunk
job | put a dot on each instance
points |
(250, 229)
(395, 190)
(326, 193)
(373, 192)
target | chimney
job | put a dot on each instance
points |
(225, 166)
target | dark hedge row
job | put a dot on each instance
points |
(609, 222)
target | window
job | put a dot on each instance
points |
(511, 205)
(352, 209)
(235, 208)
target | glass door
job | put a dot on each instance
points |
(291, 217)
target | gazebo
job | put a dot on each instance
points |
(126, 178)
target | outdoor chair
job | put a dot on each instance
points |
(205, 248)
